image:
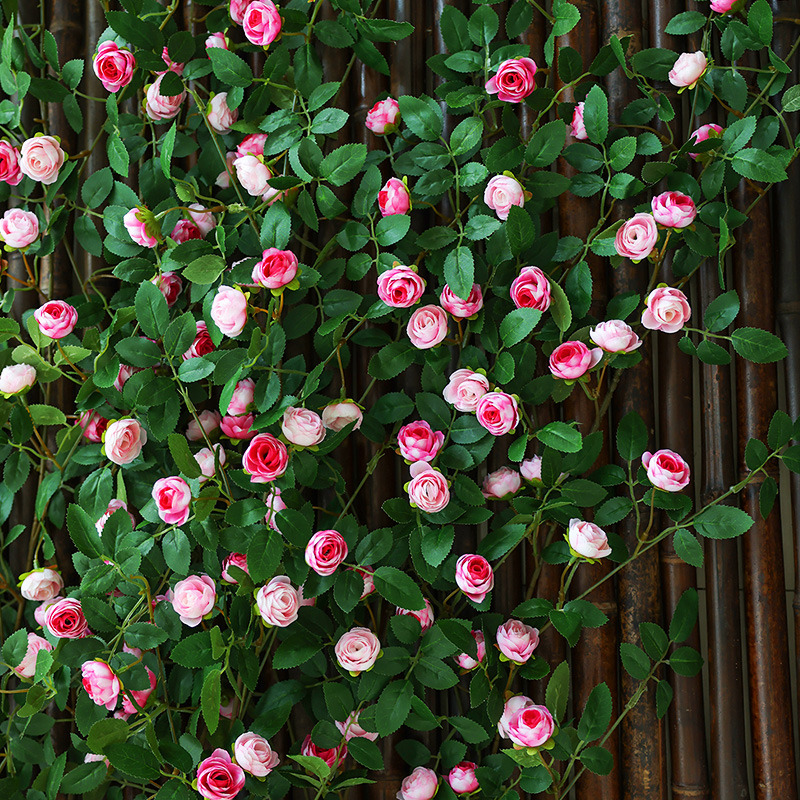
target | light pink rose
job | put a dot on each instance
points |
(185, 230)
(577, 126)
(114, 65)
(637, 237)
(427, 327)
(673, 210)
(216, 40)
(423, 615)
(41, 584)
(10, 172)
(265, 459)
(501, 483)
(262, 22)
(688, 69)
(41, 158)
(587, 539)
(92, 423)
(498, 412)
(208, 462)
(172, 497)
(339, 415)
(201, 346)
(193, 598)
(514, 81)
(171, 66)
(357, 650)
(27, 667)
(332, 756)
(277, 268)
(100, 682)
(325, 551)
(503, 192)
(161, 107)
(723, 6)
(531, 726)
(615, 336)
(275, 504)
(254, 755)
(253, 174)
(428, 489)
(350, 729)
(236, 9)
(394, 198)
(709, 131)
(417, 441)
(218, 777)
(666, 470)
(242, 397)
(220, 117)
(465, 388)
(667, 310)
(138, 696)
(252, 144)
(56, 319)
(570, 360)
(123, 440)
(517, 641)
(531, 289)
(400, 287)
(208, 423)
(224, 178)
(462, 778)
(421, 784)
(64, 619)
(170, 285)
(474, 576)
(302, 427)
(466, 661)
(384, 116)
(233, 560)
(278, 602)
(531, 469)
(141, 227)
(40, 612)
(16, 378)
(229, 310)
(113, 505)
(459, 308)
(18, 229)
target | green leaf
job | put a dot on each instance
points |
(313, 764)
(366, 752)
(194, 651)
(631, 436)
(16, 470)
(688, 548)
(229, 68)
(687, 22)
(595, 115)
(559, 307)
(85, 778)
(343, 164)
(597, 760)
(758, 346)
(654, 639)
(82, 531)
(518, 325)
(205, 269)
(520, 230)
(466, 136)
(392, 229)
(738, 134)
(471, 732)
(182, 456)
(338, 699)
(596, 714)
(560, 436)
(295, 650)
(152, 313)
(398, 588)
(105, 732)
(264, 554)
(759, 166)
(210, 698)
(635, 661)
(118, 156)
(759, 20)
(424, 119)
(459, 271)
(546, 144)
(685, 616)
(791, 100)
(483, 26)
(144, 635)
(722, 522)
(133, 760)
(167, 146)
(557, 693)
(686, 661)
(97, 187)
(393, 706)
(437, 542)
(721, 311)
(15, 647)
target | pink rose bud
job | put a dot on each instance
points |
(615, 336)
(193, 598)
(122, 376)
(207, 461)
(428, 489)
(459, 308)
(170, 285)
(41, 158)
(369, 583)
(517, 641)
(465, 388)
(688, 69)
(27, 667)
(302, 427)
(530, 726)
(201, 346)
(123, 441)
(161, 107)
(242, 398)
(357, 650)
(113, 505)
(531, 469)
(339, 415)
(100, 682)
(56, 319)
(394, 198)
(462, 778)
(262, 22)
(531, 289)
(275, 505)
(350, 729)
(637, 237)
(218, 777)
(133, 698)
(474, 577)
(234, 560)
(278, 602)
(172, 497)
(253, 174)
(252, 144)
(724, 6)
(10, 172)
(666, 470)
(185, 230)
(238, 428)
(64, 619)
(18, 229)
(223, 180)
(254, 755)
(265, 459)
(587, 540)
(229, 310)
(93, 424)
(424, 616)
(708, 131)
(417, 441)
(237, 8)
(277, 268)
(384, 116)
(171, 66)
(228, 707)
(577, 126)
(325, 551)
(421, 784)
(503, 192)
(216, 40)
(206, 423)
(673, 210)
(514, 81)
(114, 66)
(667, 310)
(400, 287)
(466, 661)
(41, 584)
(220, 117)
(571, 360)
(498, 413)
(427, 327)
(332, 756)
(142, 227)
(16, 379)
(501, 483)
